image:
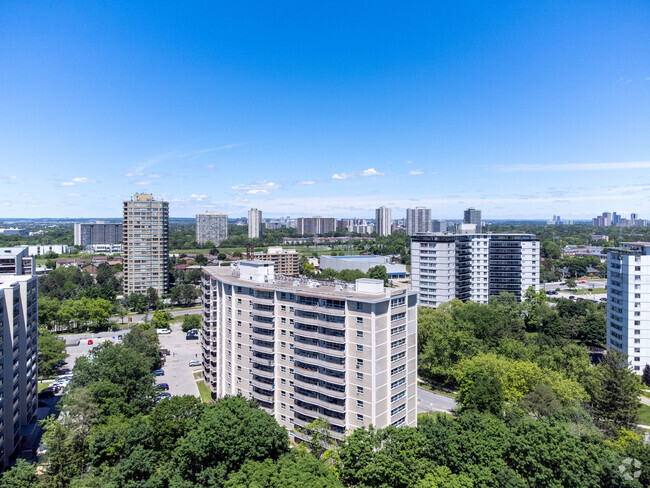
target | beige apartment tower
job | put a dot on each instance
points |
(146, 244)
(305, 349)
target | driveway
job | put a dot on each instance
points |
(434, 402)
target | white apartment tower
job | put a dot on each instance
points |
(473, 266)
(628, 302)
(146, 244)
(383, 221)
(306, 349)
(211, 226)
(418, 219)
(18, 354)
(254, 223)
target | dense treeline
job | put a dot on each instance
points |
(533, 412)
(51, 235)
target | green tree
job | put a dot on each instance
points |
(614, 393)
(174, 419)
(319, 439)
(138, 302)
(22, 475)
(51, 353)
(645, 377)
(161, 319)
(48, 308)
(378, 273)
(571, 283)
(292, 470)
(191, 322)
(152, 297)
(229, 433)
(482, 391)
(201, 260)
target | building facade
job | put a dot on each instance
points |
(316, 225)
(418, 219)
(16, 261)
(628, 302)
(254, 223)
(473, 216)
(473, 266)
(97, 233)
(146, 244)
(211, 226)
(306, 350)
(383, 221)
(18, 358)
(286, 261)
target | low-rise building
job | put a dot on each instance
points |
(43, 249)
(305, 349)
(363, 263)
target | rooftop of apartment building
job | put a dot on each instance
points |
(8, 280)
(639, 248)
(363, 289)
(277, 250)
(12, 251)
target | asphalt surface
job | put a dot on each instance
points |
(434, 402)
(564, 291)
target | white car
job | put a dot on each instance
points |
(195, 362)
(163, 331)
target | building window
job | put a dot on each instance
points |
(359, 306)
(359, 363)
(359, 320)
(359, 334)
(637, 332)
(360, 376)
(359, 417)
(359, 403)
(359, 347)
(359, 390)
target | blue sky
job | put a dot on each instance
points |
(521, 109)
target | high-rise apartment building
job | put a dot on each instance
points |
(473, 266)
(304, 349)
(146, 244)
(97, 233)
(16, 261)
(383, 222)
(628, 302)
(316, 225)
(18, 355)
(254, 223)
(211, 226)
(473, 216)
(439, 226)
(418, 219)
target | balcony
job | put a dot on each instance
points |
(321, 402)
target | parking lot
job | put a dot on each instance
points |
(178, 374)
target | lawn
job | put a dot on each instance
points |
(644, 414)
(204, 391)
(42, 385)
(587, 291)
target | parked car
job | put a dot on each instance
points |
(579, 299)
(163, 331)
(163, 396)
(572, 297)
(159, 372)
(119, 337)
(90, 342)
(47, 392)
(603, 299)
(583, 281)
(162, 386)
(195, 362)
(191, 336)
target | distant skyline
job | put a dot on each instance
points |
(523, 110)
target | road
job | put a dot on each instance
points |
(434, 402)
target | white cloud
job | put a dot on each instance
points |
(68, 183)
(574, 166)
(416, 172)
(306, 182)
(153, 175)
(13, 179)
(209, 165)
(372, 172)
(257, 188)
(83, 179)
(74, 195)
(343, 176)
(143, 182)
(198, 197)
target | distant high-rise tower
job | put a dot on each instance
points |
(146, 244)
(418, 219)
(473, 216)
(254, 223)
(383, 221)
(211, 226)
